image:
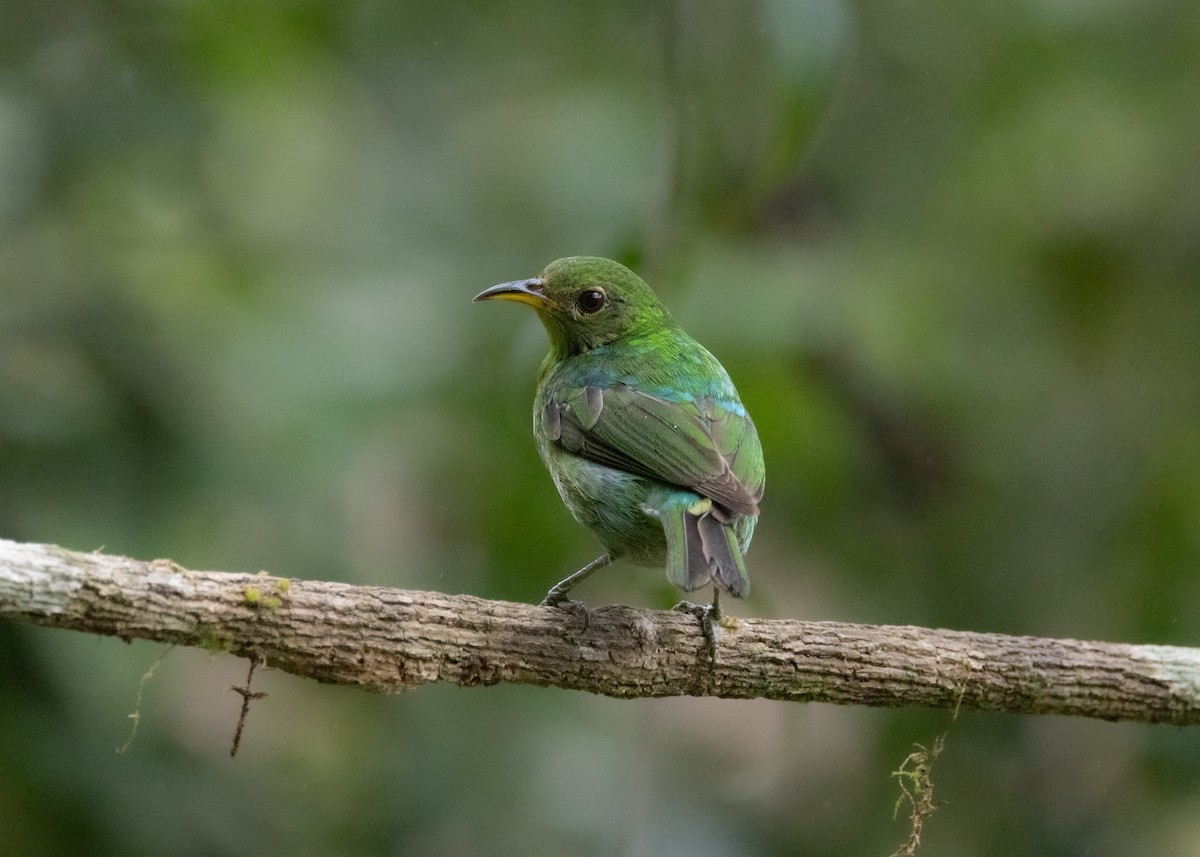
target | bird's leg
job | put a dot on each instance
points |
(557, 596)
(710, 618)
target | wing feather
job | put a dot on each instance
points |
(694, 444)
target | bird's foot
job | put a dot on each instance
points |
(710, 622)
(562, 602)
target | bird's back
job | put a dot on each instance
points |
(668, 366)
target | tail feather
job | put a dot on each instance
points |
(687, 565)
(722, 552)
(701, 548)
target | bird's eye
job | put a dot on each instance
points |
(591, 301)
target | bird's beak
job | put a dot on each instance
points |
(522, 291)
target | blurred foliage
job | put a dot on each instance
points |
(950, 253)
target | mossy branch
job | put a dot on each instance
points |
(390, 640)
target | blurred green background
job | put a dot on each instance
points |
(949, 252)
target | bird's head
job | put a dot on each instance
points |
(585, 302)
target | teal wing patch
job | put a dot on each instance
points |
(698, 444)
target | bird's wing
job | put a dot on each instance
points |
(694, 444)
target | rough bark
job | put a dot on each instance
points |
(390, 640)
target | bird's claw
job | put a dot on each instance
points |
(562, 602)
(710, 619)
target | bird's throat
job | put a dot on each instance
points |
(561, 345)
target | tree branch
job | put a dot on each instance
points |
(390, 640)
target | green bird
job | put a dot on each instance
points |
(641, 429)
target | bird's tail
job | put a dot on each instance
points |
(702, 549)
(724, 555)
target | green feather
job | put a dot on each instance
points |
(641, 427)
